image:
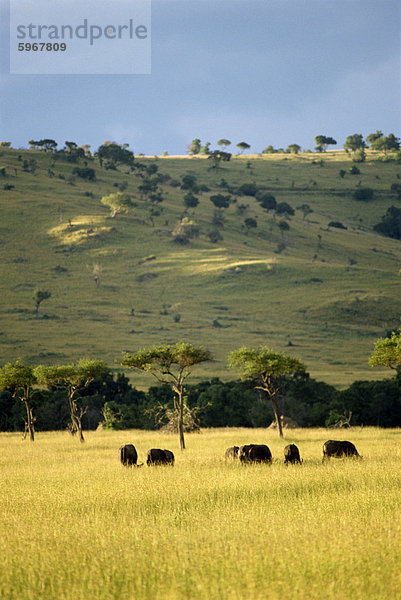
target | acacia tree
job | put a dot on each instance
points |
(243, 146)
(224, 143)
(322, 141)
(39, 296)
(387, 352)
(118, 203)
(20, 379)
(171, 365)
(264, 368)
(73, 378)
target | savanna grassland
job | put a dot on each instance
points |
(325, 294)
(76, 524)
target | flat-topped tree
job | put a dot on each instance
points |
(19, 379)
(264, 368)
(73, 378)
(322, 141)
(243, 146)
(172, 365)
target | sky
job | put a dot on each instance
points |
(261, 71)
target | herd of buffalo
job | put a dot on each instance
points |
(250, 453)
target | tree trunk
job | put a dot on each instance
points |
(277, 416)
(29, 423)
(76, 423)
(181, 419)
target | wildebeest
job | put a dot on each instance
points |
(291, 454)
(255, 453)
(337, 449)
(128, 455)
(156, 456)
(232, 453)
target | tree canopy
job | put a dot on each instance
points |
(118, 203)
(322, 141)
(19, 378)
(170, 364)
(72, 377)
(387, 352)
(264, 367)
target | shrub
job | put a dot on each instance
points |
(391, 223)
(337, 224)
(363, 194)
(85, 173)
(354, 170)
(266, 200)
(247, 189)
(284, 208)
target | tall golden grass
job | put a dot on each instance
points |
(76, 524)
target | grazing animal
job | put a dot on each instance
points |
(255, 453)
(337, 449)
(291, 454)
(156, 456)
(232, 453)
(128, 455)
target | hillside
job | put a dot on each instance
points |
(323, 294)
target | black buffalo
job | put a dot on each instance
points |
(291, 454)
(128, 455)
(156, 456)
(337, 449)
(255, 453)
(232, 453)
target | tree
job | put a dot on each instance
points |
(283, 208)
(39, 296)
(20, 379)
(306, 210)
(293, 149)
(224, 143)
(243, 146)
(190, 200)
(217, 156)
(269, 150)
(354, 142)
(390, 224)
(266, 200)
(387, 352)
(220, 201)
(185, 230)
(373, 137)
(73, 378)
(205, 149)
(118, 203)
(250, 223)
(115, 154)
(265, 368)
(323, 141)
(195, 146)
(172, 365)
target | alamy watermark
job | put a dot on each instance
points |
(80, 37)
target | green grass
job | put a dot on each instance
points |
(331, 296)
(75, 524)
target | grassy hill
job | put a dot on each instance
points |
(323, 294)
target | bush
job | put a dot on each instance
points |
(363, 194)
(85, 173)
(391, 223)
(284, 208)
(337, 224)
(266, 200)
(247, 189)
(354, 170)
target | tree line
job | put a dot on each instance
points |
(81, 395)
